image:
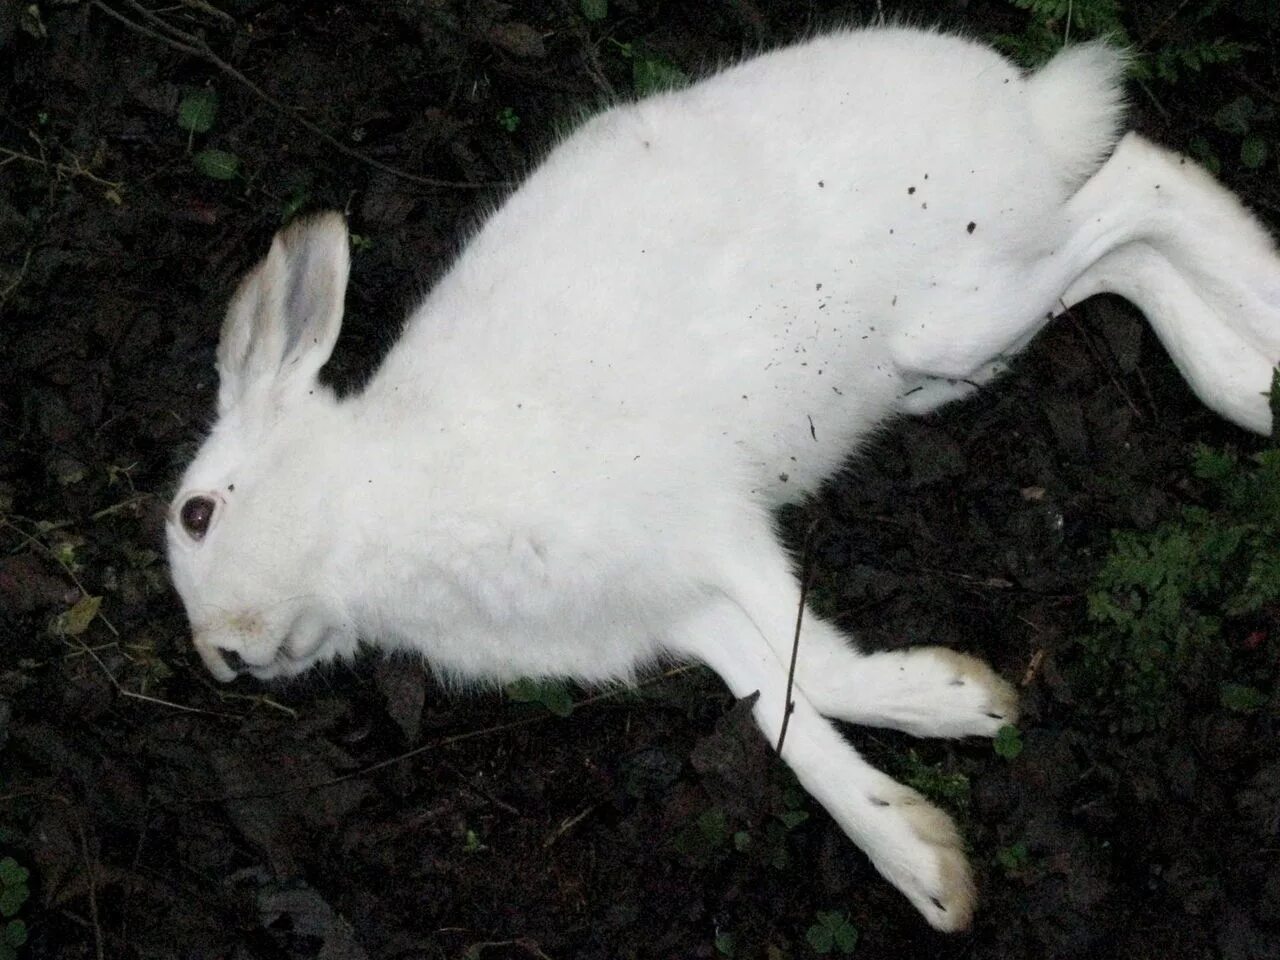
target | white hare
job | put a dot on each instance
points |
(690, 313)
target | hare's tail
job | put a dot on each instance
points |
(1077, 104)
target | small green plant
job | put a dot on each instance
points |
(1052, 24)
(1241, 118)
(651, 73)
(1014, 858)
(1242, 698)
(14, 893)
(508, 119)
(292, 204)
(726, 944)
(594, 10)
(832, 933)
(775, 845)
(1008, 742)
(933, 780)
(704, 836)
(1165, 599)
(196, 113)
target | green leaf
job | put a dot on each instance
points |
(12, 899)
(1253, 152)
(15, 933)
(705, 835)
(725, 944)
(833, 931)
(292, 205)
(1242, 698)
(551, 694)
(820, 938)
(594, 9)
(197, 110)
(508, 119)
(217, 164)
(1219, 465)
(650, 75)
(845, 936)
(793, 818)
(714, 826)
(76, 620)
(12, 872)
(1008, 742)
(1014, 857)
(1236, 116)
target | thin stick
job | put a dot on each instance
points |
(91, 871)
(142, 696)
(61, 168)
(1145, 42)
(568, 825)
(806, 575)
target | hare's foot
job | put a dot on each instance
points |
(918, 849)
(924, 691)
(913, 844)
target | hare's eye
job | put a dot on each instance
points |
(196, 514)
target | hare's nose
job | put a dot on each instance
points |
(233, 660)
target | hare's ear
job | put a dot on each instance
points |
(284, 319)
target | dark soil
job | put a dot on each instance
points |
(366, 812)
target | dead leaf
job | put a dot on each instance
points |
(518, 39)
(76, 620)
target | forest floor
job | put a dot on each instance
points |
(366, 811)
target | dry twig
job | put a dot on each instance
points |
(188, 43)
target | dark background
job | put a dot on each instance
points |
(161, 816)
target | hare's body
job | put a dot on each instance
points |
(733, 261)
(687, 316)
(690, 313)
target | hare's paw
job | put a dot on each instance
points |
(917, 848)
(923, 691)
(968, 697)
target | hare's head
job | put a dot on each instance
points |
(252, 532)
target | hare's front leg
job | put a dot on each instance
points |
(924, 691)
(913, 844)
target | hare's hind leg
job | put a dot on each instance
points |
(914, 845)
(1160, 232)
(1154, 228)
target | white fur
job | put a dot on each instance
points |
(690, 313)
